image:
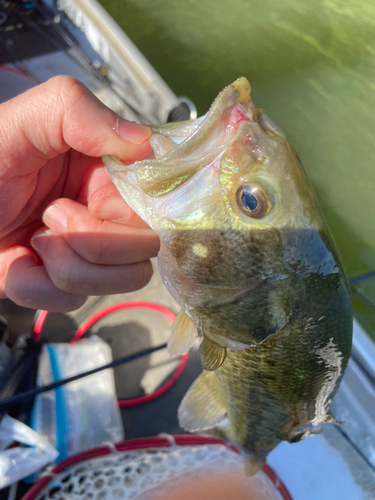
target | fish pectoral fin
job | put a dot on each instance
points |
(211, 354)
(202, 406)
(183, 335)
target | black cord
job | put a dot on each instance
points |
(5, 404)
(362, 277)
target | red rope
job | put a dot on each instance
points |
(117, 307)
(38, 325)
(11, 69)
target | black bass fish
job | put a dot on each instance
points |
(247, 254)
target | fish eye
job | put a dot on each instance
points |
(253, 201)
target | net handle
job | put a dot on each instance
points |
(144, 443)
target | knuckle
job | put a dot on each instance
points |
(139, 276)
(93, 251)
(57, 97)
(62, 90)
(63, 279)
(71, 303)
(87, 238)
(16, 294)
(66, 92)
(66, 86)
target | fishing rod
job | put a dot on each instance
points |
(5, 404)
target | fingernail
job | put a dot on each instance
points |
(55, 218)
(133, 132)
(39, 243)
(109, 208)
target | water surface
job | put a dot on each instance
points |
(312, 68)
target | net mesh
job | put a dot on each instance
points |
(132, 474)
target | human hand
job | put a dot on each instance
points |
(219, 486)
(65, 231)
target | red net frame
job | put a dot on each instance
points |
(144, 444)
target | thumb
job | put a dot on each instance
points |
(63, 114)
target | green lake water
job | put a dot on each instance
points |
(311, 65)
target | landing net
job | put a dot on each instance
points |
(136, 468)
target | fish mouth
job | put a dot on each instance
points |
(182, 149)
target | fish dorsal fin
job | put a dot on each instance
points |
(161, 145)
(202, 406)
(183, 335)
(211, 354)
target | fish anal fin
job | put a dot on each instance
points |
(211, 354)
(202, 406)
(183, 335)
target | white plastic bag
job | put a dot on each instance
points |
(17, 463)
(81, 414)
